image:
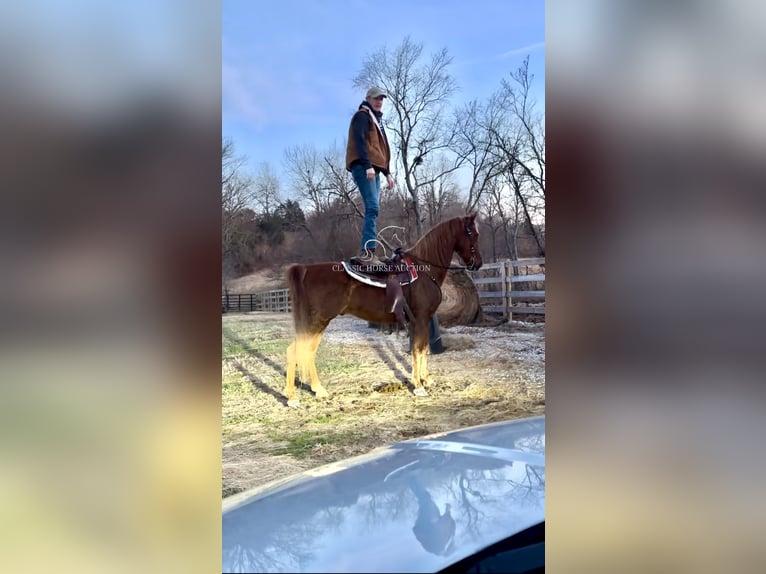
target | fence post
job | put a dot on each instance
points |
(504, 290)
(515, 271)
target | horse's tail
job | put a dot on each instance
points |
(301, 319)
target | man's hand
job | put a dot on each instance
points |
(370, 174)
(390, 181)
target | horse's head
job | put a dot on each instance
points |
(467, 244)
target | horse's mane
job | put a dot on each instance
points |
(431, 246)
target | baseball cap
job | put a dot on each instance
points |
(374, 92)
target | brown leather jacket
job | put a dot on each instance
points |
(367, 143)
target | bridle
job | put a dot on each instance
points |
(469, 233)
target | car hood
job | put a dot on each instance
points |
(386, 511)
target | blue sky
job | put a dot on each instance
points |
(288, 65)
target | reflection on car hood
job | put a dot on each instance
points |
(415, 506)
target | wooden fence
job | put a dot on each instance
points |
(500, 291)
(277, 301)
(512, 287)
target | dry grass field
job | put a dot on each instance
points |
(486, 374)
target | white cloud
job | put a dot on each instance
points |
(522, 50)
(296, 97)
(237, 93)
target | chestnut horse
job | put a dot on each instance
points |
(322, 291)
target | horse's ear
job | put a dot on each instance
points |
(472, 217)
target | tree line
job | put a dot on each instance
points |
(316, 214)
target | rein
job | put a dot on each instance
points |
(421, 260)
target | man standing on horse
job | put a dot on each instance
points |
(367, 156)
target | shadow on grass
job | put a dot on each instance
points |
(260, 385)
(394, 360)
(278, 368)
(252, 351)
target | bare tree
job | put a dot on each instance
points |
(520, 144)
(305, 168)
(266, 195)
(320, 178)
(475, 127)
(418, 90)
(440, 195)
(335, 214)
(340, 183)
(236, 196)
(505, 209)
(532, 159)
(236, 187)
(522, 202)
(491, 220)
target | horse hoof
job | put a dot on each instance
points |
(294, 403)
(427, 382)
(321, 393)
(420, 392)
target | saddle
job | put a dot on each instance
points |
(391, 276)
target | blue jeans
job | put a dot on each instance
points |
(370, 191)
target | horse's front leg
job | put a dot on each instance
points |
(316, 386)
(419, 350)
(425, 377)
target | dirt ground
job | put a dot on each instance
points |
(263, 280)
(486, 374)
